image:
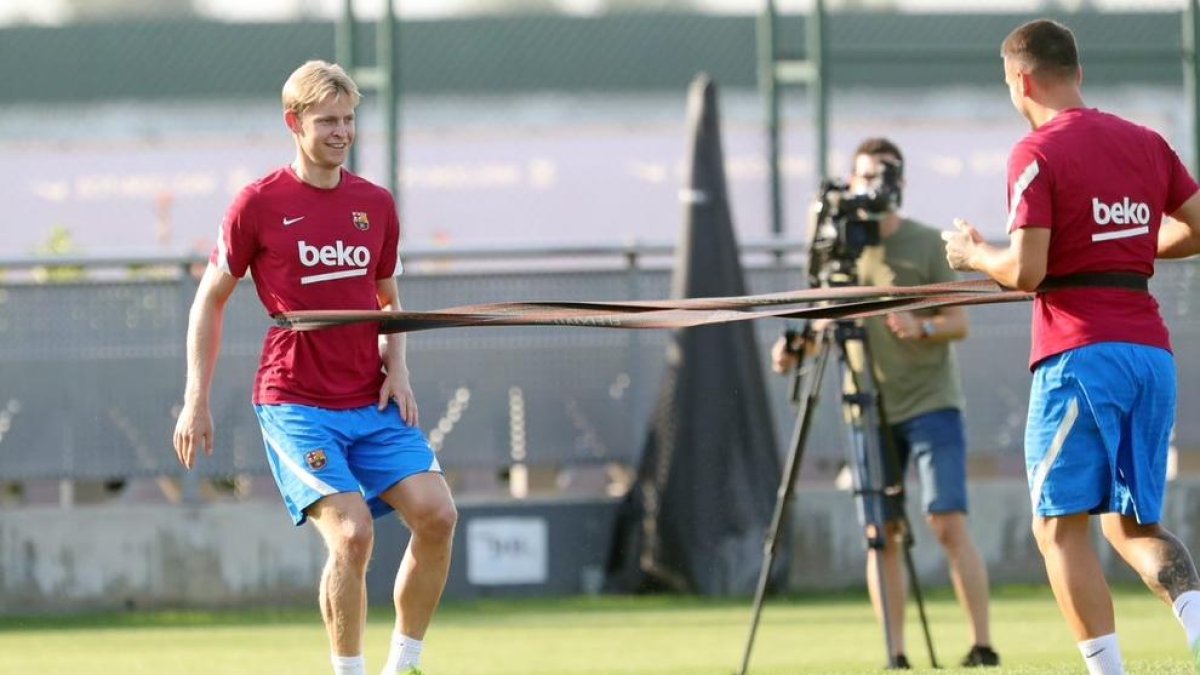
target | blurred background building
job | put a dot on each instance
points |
(128, 125)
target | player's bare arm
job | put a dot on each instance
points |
(1179, 236)
(396, 385)
(1020, 265)
(194, 427)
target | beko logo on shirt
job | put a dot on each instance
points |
(1123, 212)
(338, 254)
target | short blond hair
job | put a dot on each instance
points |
(313, 82)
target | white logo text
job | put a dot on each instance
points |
(1123, 212)
(337, 254)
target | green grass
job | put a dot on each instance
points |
(593, 636)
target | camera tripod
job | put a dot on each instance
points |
(867, 451)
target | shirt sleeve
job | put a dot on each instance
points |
(1180, 184)
(389, 256)
(237, 242)
(1029, 184)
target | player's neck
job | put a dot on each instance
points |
(317, 176)
(1042, 113)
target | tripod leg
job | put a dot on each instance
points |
(917, 596)
(807, 401)
(882, 588)
(861, 407)
(890, 457)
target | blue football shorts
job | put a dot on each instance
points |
(937, 441)
(316, 452)
(1099, 426)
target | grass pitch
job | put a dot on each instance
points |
(828, 634)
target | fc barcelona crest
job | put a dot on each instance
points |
(360, 220)
(316, 460)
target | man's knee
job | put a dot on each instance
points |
(950, 529)
(436, 520)
(352, 539)
(345, 525)
(1120, 529)
(1043, 532)
(1052, 533)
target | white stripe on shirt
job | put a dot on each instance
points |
(223, 252)
(1023, 182)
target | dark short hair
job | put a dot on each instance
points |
(1046, 48)
(880, 146)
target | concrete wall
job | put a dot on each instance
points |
(104, 557)
(828, 546)
(108, 557)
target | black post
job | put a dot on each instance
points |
(344, 39)
(387, 60)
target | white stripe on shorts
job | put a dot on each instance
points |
(1056, 446)
(298, 471)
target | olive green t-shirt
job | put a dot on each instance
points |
(914, 376)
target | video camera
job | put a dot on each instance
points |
(845, 222)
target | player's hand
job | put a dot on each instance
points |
(960, 245)
(904, 326)
(396, 388)
(193, 432)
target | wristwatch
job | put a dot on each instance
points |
(928, 328)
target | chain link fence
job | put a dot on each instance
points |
(91, 375)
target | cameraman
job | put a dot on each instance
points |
(917, 377)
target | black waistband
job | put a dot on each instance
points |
(1132, 282)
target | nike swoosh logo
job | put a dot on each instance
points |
(1093, 654)
(289, 221)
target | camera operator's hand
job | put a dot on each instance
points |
(960, 245)
(905, 326)
(783, 359)
(818, 326)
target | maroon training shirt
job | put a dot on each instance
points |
(1101, 184)
(309, 248)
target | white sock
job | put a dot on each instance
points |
(404, 653)
(348, 665)
(1187, 609)
(1102, 655)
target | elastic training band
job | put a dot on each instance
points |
(850, 302)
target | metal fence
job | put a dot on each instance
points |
(91, 370)
(516, 128)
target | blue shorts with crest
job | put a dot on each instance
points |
(1099, 427)
(316, 452)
